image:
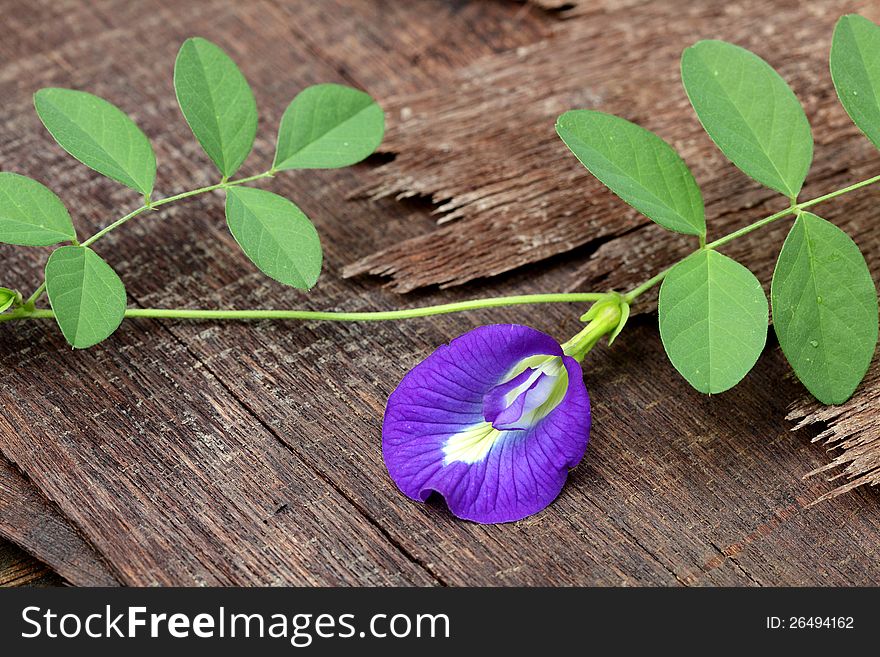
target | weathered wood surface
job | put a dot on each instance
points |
(38, 527)
(17, 568)
(200, 453)
(482, 144)
(495, 166)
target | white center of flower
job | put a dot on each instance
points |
(471, 445)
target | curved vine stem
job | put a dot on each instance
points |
(28, 311)
(371, 316)
(793, 209)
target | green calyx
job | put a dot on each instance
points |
(607, 316)
(8, 299)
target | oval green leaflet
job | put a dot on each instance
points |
(855, 51)
(99, 135)
(713, 320)
(638, 166)
(86, 295)
(750, 113)
(328, 126)
(824, 308)
(216, 102)
(31, 214)
(275, 234)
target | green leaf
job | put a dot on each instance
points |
(713, 320)
(328, 126)
(99, 135)
(275, 235)
(855, 54)
(7, 298)
(824, 308)
(638, 166)
(216, 102)
(31, 214)
(86, 294)
(750, 113)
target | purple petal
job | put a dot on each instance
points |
(438, 436)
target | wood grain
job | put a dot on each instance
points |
(39, 527)
(194, 453)
(481, 145)
(112, 538)
(17, 568)
(850, 432)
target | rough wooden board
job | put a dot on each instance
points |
(172, 480)
(405, 51)
(735, 454)
(128, 498)
(514, 213)
(482, 147)
(570, 8)
(223, 19)
(36, 31)
(37, 526)
(712, 498)
(17, 568)
(348, 390)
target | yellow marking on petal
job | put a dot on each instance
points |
(471, 445)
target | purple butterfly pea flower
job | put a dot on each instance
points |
(492, 422)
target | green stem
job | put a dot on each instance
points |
(116, 224)
(793, 209)
(27, 310)
(152, 205)
(721, 241)
(631, 296)
(372, 316)
(839, 192)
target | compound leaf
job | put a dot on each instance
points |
(750, 113)
(855, 70)
(31, 214)
(99, 135)
(328, 126)
(216, 102)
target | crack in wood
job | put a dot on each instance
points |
(851, 431)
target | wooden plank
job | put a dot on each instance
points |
(62, 54)
(391, 45)
(169, 477)
(17, 568)
(481, 145)
(597, 538)
(710, 483)
(29, 520)
(36, 31)
(159, 460)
